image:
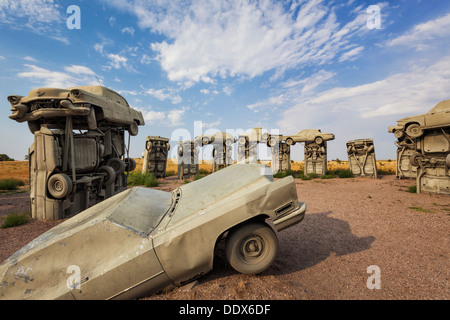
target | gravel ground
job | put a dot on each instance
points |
(351, 225)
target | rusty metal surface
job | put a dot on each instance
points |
(361, 158)
(316, 158)
(79, 155)
(423, 147)
(155, 156)
(188, 162)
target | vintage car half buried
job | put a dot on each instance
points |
(144, 240)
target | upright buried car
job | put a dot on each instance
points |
(144, 240)
(79, 154)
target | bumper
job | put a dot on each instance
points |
(292, 218)
(67, 108)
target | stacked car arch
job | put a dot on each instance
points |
(79, 155)
(423, 149)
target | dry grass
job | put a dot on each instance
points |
(14, 169)
(19, 169)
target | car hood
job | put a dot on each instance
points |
(224, 185)
(137, 209)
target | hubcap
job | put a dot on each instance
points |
(252, 247)
(58, 186)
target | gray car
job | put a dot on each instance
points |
(143, 240)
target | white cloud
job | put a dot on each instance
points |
(367, 110)
(176, 116)
(271, 102)
(117, 61)
(352, 54)
(292, 90)
(146, 59)
(242, 38)
(79, 70)
(422, 33)
(401, 93)
(152, 117)
(42, 17)
(165, 94)
(129, 30)
(99, 47)
(74, 76)
(31, 59)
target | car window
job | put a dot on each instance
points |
(142, 211)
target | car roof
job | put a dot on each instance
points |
(441, 106)
(104, 92)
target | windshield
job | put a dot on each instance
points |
(143, 210)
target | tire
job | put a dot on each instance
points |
(318, 140)
(289, 141)
(110, 175)
(398, 134)
(133, 129)
(130, 164)
(59, 185)
(148, 146)
(205, 140)
(117, 164)
(414, 130)
(271, 142)
(251, 248)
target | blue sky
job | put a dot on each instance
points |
(234, 65)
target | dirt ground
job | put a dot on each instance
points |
(357, 232)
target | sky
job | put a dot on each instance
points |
(351, 68)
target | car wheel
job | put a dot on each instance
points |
(130, 164)
(205, 140)
(271, 142)
(110, 176)
(289, 141)
(398, 134)
(59, 185)
(252, 248)
(148, 145)
(318, 140)
(117, 164)
(133, 129)
(414, 130)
